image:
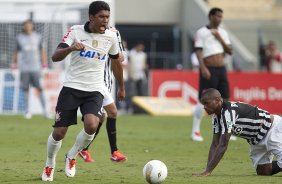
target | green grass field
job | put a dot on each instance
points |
(141, 138)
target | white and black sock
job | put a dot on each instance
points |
(52, 150)
(82, 141)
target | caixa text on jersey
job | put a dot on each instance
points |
(92, 54)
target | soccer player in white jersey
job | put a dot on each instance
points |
(211, 44)
(263, 131)
(111, 109)
(90, 46)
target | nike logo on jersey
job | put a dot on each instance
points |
(83, 40)
(93, 54)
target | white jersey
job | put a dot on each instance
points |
(108, 75)
(86, 69)
(205, 39)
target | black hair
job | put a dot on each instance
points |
(210, 93)
(97, 6)
(214, 11)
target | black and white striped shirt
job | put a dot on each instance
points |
(243, 120)
(108, 75)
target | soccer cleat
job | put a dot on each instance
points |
(233, 138)
(70, 167)
(47, 174)
(196, 136)
(118, 156)
(85, 154)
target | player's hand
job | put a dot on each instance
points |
(201, 174)
(77, 47)
(120, 94)
(215, 33)
(205, 73)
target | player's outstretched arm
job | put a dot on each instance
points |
(216, 153)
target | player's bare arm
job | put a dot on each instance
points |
(204, 70)
(227, 48)
(214, 145)
(61, 53)
(216, 154)
(118, 73)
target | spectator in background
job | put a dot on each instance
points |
(30, 57)
(273, 58)
(137, 68)
(211, 43)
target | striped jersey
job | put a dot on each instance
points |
(108, 75)
(242, 120)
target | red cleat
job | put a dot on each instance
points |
(118, 156)
(85, 154)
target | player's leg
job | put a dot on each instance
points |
(275, 144)
(64, 118)
(198, 111)
(25, 80)
(91, 111)
(111, 110)
(35, 81)
(85, 153)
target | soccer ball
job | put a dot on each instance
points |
(155, 171)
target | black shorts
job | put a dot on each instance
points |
(30, 78)
(218, 81)
(68, 102)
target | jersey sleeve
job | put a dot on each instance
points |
(114, 50)
(228, 121)
(198, 40)
(69, 37)
(121, 48)
(215, 125)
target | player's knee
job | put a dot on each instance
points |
(264, 170)
(90, 124)
(112, 113)
(59, 133)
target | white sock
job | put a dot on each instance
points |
(52, 150)
(197, 118)
(82, 141)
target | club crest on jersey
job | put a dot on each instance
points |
(92, 54)
(95, 43)
(238, 130)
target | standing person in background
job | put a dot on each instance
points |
(273, 58)
(111, 109)
(30, 57)
(137, 68)
(90, 45)
(211, 44)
